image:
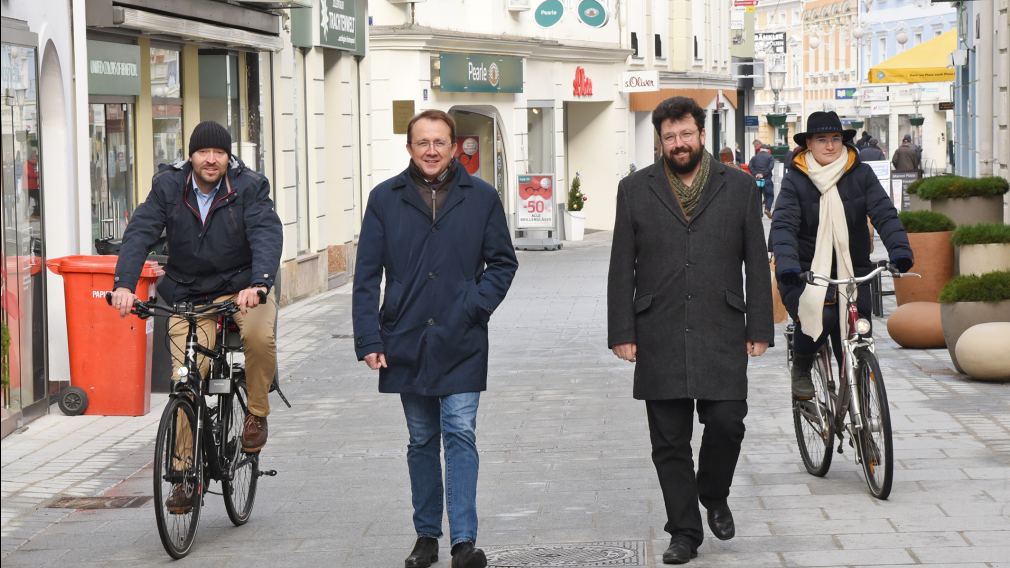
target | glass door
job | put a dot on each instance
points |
(110, 127)
(22, 282)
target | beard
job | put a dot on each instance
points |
(693, 159)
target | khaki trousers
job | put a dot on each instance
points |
(256, 327)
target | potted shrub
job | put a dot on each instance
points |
(966, 201)
(929, 236)
(970, 300)
(575, 219)
(982, 248)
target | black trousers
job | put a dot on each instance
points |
(670, 426)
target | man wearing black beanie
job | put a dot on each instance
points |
(224, 241)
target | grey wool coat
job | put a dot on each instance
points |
(676, 287)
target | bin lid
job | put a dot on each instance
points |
(95, 264)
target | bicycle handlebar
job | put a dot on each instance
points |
(144, 310)
(811, 277)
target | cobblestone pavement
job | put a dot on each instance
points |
(566, 476)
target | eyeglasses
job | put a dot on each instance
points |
(686, 137)
(438, 145)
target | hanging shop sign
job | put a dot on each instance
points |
(592, 13)
(639, 81)
(337, 24)
(582, 86)
(113, 68)
(536, 201)
(548, 13)
(474, 73)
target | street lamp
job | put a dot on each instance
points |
(776, 80)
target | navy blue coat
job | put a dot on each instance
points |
(794, 223)
(444, 278)
(238, 246)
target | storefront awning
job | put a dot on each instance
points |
(648, 101)
(197, 31)
(927, 62)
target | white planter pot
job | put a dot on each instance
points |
(575, 225)
(980, 259)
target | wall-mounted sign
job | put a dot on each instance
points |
(751, 121)
(535, 206)
(770, 42)
(548, 13)
(845, 93)
(338, 24)
(582, 85)
(403, 111)
(639, 81)
(592, 13)
(945, 105)
(113, 68)
(472, 73)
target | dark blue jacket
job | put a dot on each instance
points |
(444, 278)
(238, 246)
(762, 163)
(794, 224)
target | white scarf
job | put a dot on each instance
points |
(832, 237)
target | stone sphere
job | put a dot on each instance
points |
(916, 325)
(983, 351)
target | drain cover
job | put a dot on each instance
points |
(626, 553)
(99, 502)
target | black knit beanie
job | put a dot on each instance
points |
(209, 134)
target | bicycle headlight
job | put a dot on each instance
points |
(862, 326)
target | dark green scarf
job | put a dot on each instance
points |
(689, 196)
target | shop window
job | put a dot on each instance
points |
(540, 126)
(659, 46)
(634, 45)
(22, 284)
(219, 92)
(166, 100)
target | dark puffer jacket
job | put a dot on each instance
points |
(794, 224)
(238, 246)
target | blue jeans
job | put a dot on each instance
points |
(769, 193)
(452, 421)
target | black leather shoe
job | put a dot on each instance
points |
(720, 520)
(425, 552)
(679, 552)
(464, 555)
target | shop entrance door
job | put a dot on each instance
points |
(480, 148)
(110, 126)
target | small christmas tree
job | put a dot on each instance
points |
(576, 199)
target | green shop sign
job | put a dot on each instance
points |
(549, 13)
(337, 24)
(471, 73)
(592, 13)
(113, 68)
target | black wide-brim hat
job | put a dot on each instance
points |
(821, 122)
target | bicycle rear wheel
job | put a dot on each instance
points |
(874, 438)
(177, 469)
(240, 487)
(813, 421)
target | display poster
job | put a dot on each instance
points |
(535, 206)
(468, 153)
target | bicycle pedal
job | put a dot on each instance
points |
(268, 472)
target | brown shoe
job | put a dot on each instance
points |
(254, 433)
(180, 502)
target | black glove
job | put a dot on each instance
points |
(903, 264)
(790, 278)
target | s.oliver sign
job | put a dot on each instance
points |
(639, 81)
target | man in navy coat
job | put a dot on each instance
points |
(441, 239)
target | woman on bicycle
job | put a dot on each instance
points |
(819, 225)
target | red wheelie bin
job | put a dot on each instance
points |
(110, 356)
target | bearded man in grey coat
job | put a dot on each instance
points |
(687, 231)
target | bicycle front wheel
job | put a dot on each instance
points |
(874, 438)
(813, 421)
(243, 469)
(178, 478)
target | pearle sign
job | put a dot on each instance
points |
(549, 13)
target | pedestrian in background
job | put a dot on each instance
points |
(863, 140)
(441, 239)
(676, 307)
(762, 166)
(872, 152)
(906, 156)
(820, 225)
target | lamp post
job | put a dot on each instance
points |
(776, 80)
(917, 119)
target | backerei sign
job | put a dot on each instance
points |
(473, 73)
(113, 68)
(639, 81)
(338, 24)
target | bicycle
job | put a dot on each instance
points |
(861, 396)
(203, 418)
